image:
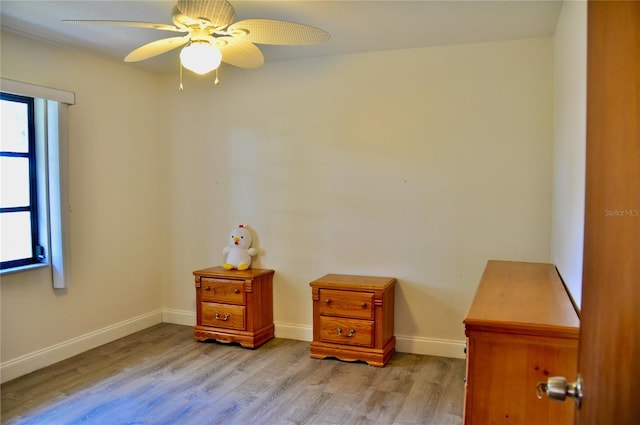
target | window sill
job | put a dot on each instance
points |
(23, 268)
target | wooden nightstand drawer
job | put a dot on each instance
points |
(223, 315)
(346, 331)
(222, 291)
(354, 304)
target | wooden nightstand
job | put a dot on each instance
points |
(353, 318)
(234, 306)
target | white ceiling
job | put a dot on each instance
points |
(355, 26)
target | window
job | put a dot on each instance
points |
(34, 204)
(19, 195)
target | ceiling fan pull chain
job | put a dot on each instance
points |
(181, 86)
(217, 80)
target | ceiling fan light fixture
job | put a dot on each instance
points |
(201, 57)
(212, 34)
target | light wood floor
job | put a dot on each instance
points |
(162, 376)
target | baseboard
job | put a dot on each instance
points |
(404, 344)
(38, 359)
(179, 317)
(430, 347)
(297, 332)
(282, 330)
(47, 356)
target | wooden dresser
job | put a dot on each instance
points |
(521, 329)
(353, 318)
(234, 306)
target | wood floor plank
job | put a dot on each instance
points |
(162, 376)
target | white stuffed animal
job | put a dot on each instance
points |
(239, 251)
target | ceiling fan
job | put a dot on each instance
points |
(213, 37)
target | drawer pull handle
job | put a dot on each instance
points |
(351, 332)
(206, 288)
(363, 305)
(327, 301)
(224, 319)
(236, 291)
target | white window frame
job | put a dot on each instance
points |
(52, 141)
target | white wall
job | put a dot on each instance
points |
(418, 164)
(570, 110)
(117, 158)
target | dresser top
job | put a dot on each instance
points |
(220, 272)
(522, 297)
(346, 281)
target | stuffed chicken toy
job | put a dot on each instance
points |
(239, 251)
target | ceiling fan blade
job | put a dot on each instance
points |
(163, 27)
(272, 31)
(219, 12)
(156, 48)
(243, 54)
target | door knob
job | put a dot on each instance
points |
(557, 388)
